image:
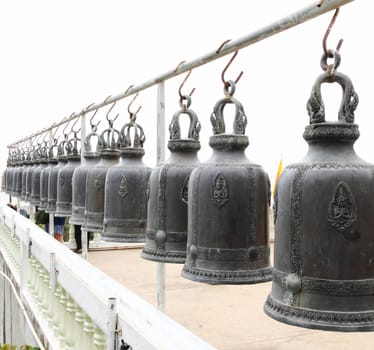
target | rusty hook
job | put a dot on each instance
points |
(182, 84)
(93, 126)
(110, 109)
(128, 107)
(72, 127)
(225, 82)
(328, 30)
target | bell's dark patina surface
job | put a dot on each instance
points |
(36, 175)
(95, 183)
(228, 208)
(125, 208)
(52, 180)
(64, 178)
(44, 176)
(323, 263)
(90, 159)
(166, 235)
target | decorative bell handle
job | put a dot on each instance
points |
(240, 119)
(315, 105)
(194, 129)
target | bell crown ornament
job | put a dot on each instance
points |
(132, 146)
(191, 142)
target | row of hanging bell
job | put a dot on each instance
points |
(64, 178)
(323, 258)
(95, 182)
(212, 216)
(125, 200)
(166, 235)
(90, 159)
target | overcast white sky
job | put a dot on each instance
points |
(57, 57)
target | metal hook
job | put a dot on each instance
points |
(225, 82)
(93, 126)
(63, 130)
(72, 127)
(181, 86)
(128, 107)
(328, 30)
(110, 109)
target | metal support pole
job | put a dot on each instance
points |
(84, 239)
(305, 14)
(51, 224)
(160, 272)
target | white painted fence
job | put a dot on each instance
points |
(72, 304)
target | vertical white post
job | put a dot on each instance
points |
(24, 258)
(160, 273)
(84, 239)
(13, 225)
(52, 271)
(51, 224)
(18, 205)
(83, 135)
(32, 213)
(112, 340)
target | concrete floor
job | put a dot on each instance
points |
(228, 317)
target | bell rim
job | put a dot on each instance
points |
(296, 317)
(260, 275)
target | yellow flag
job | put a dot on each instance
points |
(280, 168)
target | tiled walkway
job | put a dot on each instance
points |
(228, 317)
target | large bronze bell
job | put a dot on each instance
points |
(323, 258)
(95, 183)
(228, 208)
(166, 235)
(64, 178)
(90, 159)
(53, 174)
(36, 175)
(44, 176)
(125, 209)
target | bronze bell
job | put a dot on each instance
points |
(228, 208)
(44, 176)
(95, 183)
(323, 254)
(33, 164)
(7, 175)
(166, 234)
(125, 209)
(53, 173)
(16, 173)
(64, 178)
(27, 165)
(17, 185)
(90, 159)
(36, 175)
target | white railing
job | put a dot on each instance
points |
(72, 304)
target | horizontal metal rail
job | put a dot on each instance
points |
(292, 20)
